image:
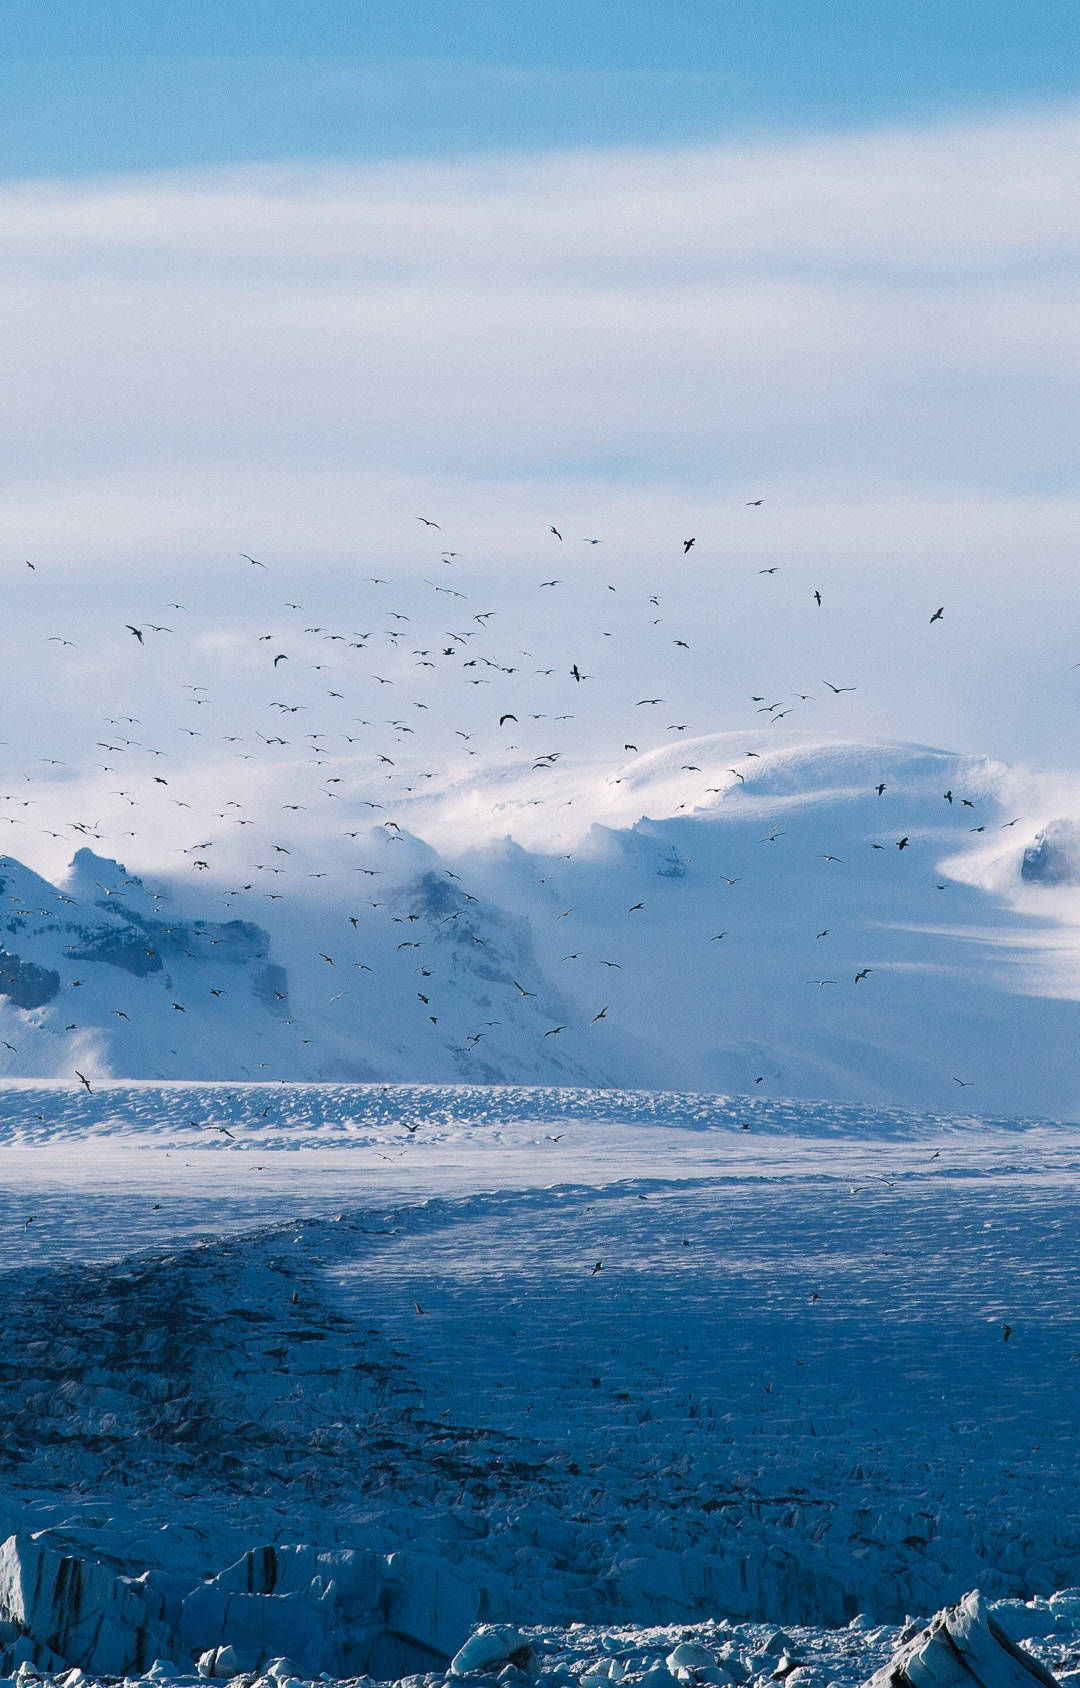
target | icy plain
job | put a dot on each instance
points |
(546, 1358)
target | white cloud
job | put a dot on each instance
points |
(876, 333)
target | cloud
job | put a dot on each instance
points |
(896, 306)
(876, 333)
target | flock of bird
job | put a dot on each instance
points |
(313, 692)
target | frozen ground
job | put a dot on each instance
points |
(602, 1358)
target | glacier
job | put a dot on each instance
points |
(607, 1375)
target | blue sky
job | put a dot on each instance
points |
(131, 86)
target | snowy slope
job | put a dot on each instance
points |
(696, 918)
(98, 974)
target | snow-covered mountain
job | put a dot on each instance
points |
(95, 975)
(834, 918)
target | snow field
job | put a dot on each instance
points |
(576, 1358)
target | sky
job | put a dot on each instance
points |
(281, 280)
(131, 87)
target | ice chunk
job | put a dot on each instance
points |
(690, 1655)
(430, 1609)
(77, 1612)
(1021, 1619)
(962, 1647)
(491, 1645)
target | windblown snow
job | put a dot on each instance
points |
(712, 916)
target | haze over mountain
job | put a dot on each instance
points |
(745, 913)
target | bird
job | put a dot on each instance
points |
(817, 599)
(902, 843)
(686, 544)
(597, 1268)
(880, 789)
(136, 630)
(937, 615)
(837, 689)
(1006, 1332)
(83, 1080)
(554, 1030)
(254, 561)
(863, 973)
(753, 503)
(601, 1016)
(428, 523)
(557, 534)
